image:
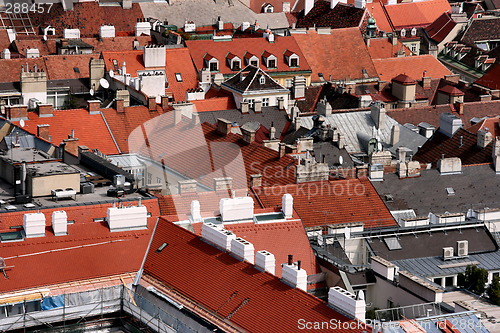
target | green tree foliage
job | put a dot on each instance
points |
(474, 279)
(494, 291)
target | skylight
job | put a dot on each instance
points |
(162, 246)
(178, 77)
(392, 243)
(76, 69)
(450, 191)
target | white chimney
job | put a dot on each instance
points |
(308, 6)
(243, 249)
(450, 166)
(6, 54)
(127, 218)
(71, 33)
(287, 205)
(265, 261)
(34, 224)
(220, 24)
(60, 223)
(32, 53)
(294, 275)
(348, 303)
(217, 236)
(142, 28)
(233, 209)
(270, 38)
(196, 211)
(449, 123)
(359, 3)
(107, 31)
(154, 56)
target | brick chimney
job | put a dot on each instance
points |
(94, 106)
(187, 186)
(120, 105)
(223, 126)
(460, 107)
(426, 82)
(256, 180)
(282, 149)
(248, 135)
(45, 110)
(42, 131)
(223, 183)
(72, 144)
(151, 103)
(164, 102)
(17, 112)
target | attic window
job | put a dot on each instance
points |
(294, 62)
(178, 77)
(162, 246)
(271, 63)
(262, 80)
(450, 191)
(235, 65)
(76, 69)
(254, 63)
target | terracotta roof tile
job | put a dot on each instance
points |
(491, 79)
(491, 124)
(220, 283)
(242, 47)
(462, 144)
(383, 48)
(346, 201)
(416, 14)
(124, 251)
(334, 47)
(90, 129)
(441, 27)
(404, 79)
(414, 67)
(452, 91)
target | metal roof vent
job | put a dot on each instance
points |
(450, 191)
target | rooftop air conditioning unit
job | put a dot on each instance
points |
(447, 253)
(463, 248)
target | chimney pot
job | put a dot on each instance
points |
(290, 259)
(120, 105)
(151, 103)
(299, 264)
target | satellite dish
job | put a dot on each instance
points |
(111, 73)
(104, 83)
(21, 123)
(92, 92)
(341, 160)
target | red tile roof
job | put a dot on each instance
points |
(215, 101)
(462, 144)
(383, 48)
(200, 151)
(491, 79)
(90, 129)
(416, 14)
(118, 43)
(123, 123)
(221, 284)
(377, 10)
(441, 27)
(346, 201)
(334, 47)
(404, 79)
(491, 124)
(44, 47)
(414, 67)
(88, 17)
(239, 46)
(452, 91)
(177, 61)
(89, 250)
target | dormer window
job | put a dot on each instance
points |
(269, 59)
(262, 80)
(251, 59)
(233, 62)
(267, 8)
(211, 63)
(291, 58)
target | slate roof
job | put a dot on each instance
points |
(346, 201)
(43, 261)
(440, 28)
(412, 66)
(249, 80)
(341, 16)
(482, 29)
(241, 46)
(357, 126)
(473, 188)
(333, 47)
(221, 283)
(441, 144)
(88, 17)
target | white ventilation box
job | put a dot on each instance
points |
(218, 236)
(71, 33)
(142, 28)
(347, 303)
(463, 248)
(107, 31)
(243, 249)
(32, 53)
(447, 252)
(287, 205)
(196, 211)
(292, 275)
(60, 222)
(265, 261)
(34, 224)
(233, 209)
(127, 218)
(154, 56)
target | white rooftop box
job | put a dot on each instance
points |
(127, 218)
(233, 209)
(34, 224)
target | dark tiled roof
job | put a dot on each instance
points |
(481, 30)
(342, 16)
(252, 79)
(220, 283)
(441, 27)
(462, 144)
(88, 17)
(470, 8)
